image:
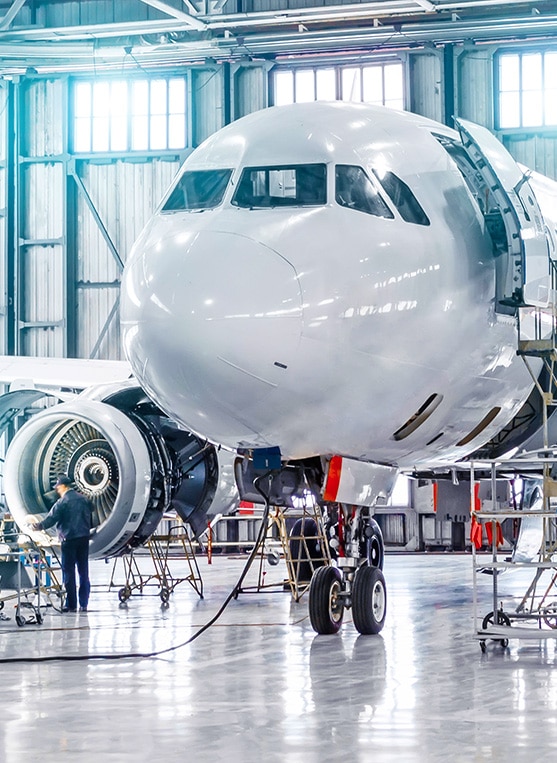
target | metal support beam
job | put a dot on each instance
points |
(96, 217)
(17, 5)
(175, 13)
(112, 314)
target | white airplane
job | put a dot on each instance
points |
(332, 291)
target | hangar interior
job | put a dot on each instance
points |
(103, 101)
(100, 103)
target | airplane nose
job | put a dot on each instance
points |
(211, 324)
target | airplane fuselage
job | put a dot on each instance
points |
(322, 327)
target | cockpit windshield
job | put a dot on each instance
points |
(301, 185)
(199, 189)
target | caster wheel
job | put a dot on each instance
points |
(124, 593)
(483, 647)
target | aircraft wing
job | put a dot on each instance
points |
(70, 373)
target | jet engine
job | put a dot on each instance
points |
(127, 457)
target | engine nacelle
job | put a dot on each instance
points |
(127, 457)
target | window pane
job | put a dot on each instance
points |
(140, 97)
(177, 96)
(394, 89)
(157, 138)
(373, 84)
(509, 110)
(82, 134)
(101, 99)
(353, 189)
(532, 71)
(305, 86)
(284, 88)
(140, 133)
(351, 85)
(82, 99)
(157, 104)
(509, 73)
(326, 84)
(402, 197)
(532, 108)
(119, 98)
(299, 185)
(551, 107)
(198, 190)
(100, 133)
(177, 131)
(119, 134)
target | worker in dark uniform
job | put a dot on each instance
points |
(72, 516)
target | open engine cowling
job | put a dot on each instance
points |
(127, 457)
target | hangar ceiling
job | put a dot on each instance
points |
(61, 35)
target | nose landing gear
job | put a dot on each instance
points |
(357, 581)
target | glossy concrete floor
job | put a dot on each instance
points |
(260, 685)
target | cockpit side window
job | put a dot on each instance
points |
(353, 189)
(199, 189)
(403, 198)
(299, 185)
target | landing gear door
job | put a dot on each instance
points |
(513, 218)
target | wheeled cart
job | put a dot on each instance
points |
(166, 552)
(527, 609)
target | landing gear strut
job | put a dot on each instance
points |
(356, 581)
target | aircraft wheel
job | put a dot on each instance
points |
(326, 608)
(372, 547)
(369, 600)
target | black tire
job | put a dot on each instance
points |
(369, 600)
(20, 620)
(165, 595)
(326, 607)
(39, 618)
(124, 593)
(500, 618)
(372, 547)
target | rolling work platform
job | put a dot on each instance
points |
(165, 553)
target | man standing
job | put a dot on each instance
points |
(72, 516)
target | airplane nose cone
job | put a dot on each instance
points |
(211, 324)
